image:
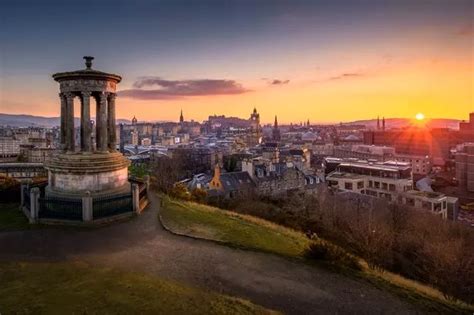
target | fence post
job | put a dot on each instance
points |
(34, 206)
(136, 198)
(22, 199)
(87, 215)
(147, 183)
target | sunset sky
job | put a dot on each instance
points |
(327, 61)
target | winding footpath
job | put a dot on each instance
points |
(142, 245)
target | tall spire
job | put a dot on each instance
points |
(181, 118)
(378, 122)
(276, 131)
(383, 123)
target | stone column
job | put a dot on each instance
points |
(86, 145)
(101, 123)
(111, 123)
(62, 130)
(70, 139)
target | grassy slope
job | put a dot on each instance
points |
(245, 231)
(11, 218)
(74, 288)
(235, 229)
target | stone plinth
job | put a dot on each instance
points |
(98, 173)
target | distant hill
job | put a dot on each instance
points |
(37, 121)
(405, 122)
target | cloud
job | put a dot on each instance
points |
(347, 75)
(159, 88)
(275, 81)
(279, 82)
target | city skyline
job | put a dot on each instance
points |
(303, 60)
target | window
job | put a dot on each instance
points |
(360, 185)
(377, 185)
(371, 184)
(410, 202)
(348, 186)
(392, 187)
(384, 186)
(437, 206)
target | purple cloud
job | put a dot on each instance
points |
(279, 82)
(171, 89)
(347, 75)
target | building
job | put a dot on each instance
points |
(146, 142)
(421, 165)
(275, 179)
(276, 136)
(466, 129)
(364, 152)
(9, 148)
(231, 184)
(415, 141)
(134, 137)
(383, 179)
(255, 128)
(465, 167)
(31, 154)
(391, 181)
(24, 172)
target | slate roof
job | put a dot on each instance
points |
(235, 181)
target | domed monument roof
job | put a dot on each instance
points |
(87, 73)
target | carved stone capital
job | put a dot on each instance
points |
(112, 96)
(103, 95)
(86, 93)
(69, 95)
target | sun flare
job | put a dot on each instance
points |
(420, 116)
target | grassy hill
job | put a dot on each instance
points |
(75, 288)
(233, 229)
(243, 231)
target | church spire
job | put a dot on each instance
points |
(276, 122)
(378, 122)
(181, 117)
(383, 123)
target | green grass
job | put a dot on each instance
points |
(75, 288)
(234, 229)
(11, 218)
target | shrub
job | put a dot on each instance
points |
(180, 191)
(332, 254)
(198, 195)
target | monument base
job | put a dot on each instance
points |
(72, 175)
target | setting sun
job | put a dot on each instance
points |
(420, 116)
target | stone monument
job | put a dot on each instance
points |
(94, 166)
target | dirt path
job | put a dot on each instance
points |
(142, 245)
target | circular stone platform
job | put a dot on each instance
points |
(72, 174)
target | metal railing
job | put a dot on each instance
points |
(111, 205)
(60, 208)
(26, 197)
